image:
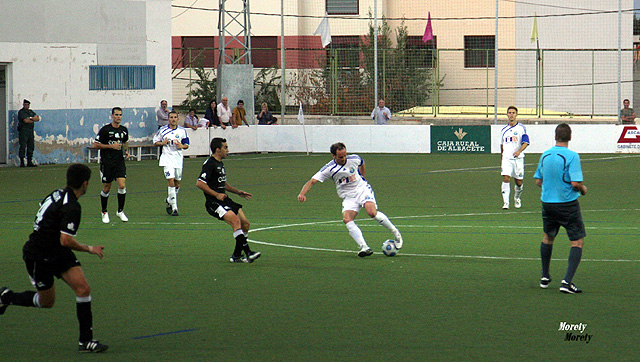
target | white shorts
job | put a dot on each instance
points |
(513, 168)
(172, 172)
(355, 203)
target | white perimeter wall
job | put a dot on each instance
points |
(385, 139)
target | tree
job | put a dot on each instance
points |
(267, 85)
(201, 90)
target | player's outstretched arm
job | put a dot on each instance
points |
(70, 242)
(302, 196)
(240, 193)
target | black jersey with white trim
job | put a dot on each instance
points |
(214, 175)
(109, 135)
(59, 213)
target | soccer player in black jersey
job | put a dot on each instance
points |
(213, 182)
(112, 142)
(48, 253)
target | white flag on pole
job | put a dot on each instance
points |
(301, 115)
(324, 31)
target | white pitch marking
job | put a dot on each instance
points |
(426, 255)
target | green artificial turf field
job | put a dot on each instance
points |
(463, 288)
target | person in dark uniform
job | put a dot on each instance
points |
(112, 142)
(213, 182)
(26, 120)
(48, 253)
(559, 174)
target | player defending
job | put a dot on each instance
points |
(213, 182)
(560, 175)
(48, 253)
(514, 140)
(173, 140)
(112, 143)
(348, 173)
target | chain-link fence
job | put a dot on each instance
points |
(422, 82)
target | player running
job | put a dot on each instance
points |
(348, 173)
(49, 253)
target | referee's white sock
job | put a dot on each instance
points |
(506, 192)
(356, 234)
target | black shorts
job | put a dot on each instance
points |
(217, 209)
(111, 171)
(42, 272)
(567, 215)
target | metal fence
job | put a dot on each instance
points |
(432, 82)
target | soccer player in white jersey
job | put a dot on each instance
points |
(513, 141)
(173, 140)
(348, 173)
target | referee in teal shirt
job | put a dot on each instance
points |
(560, 175)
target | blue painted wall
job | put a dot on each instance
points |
(63, 134)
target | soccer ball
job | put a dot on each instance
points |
(389, 248)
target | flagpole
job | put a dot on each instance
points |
(495, 71)
(375, 52)
(304, 130)
(306, 144)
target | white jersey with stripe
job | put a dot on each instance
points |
(171, 155)
(512, 138)
(347, 177)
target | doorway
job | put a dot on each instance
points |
(4, 117)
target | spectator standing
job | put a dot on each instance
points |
(265, 117)
(224, 113)
(26, 137)
(163, 114)
(239, 115)
(211, 114)
(627, 115)
(381, 114)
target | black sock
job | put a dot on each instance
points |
(24, 299)
(121, 199)
(575, 255)
(104, 200)
(241, 243)
(545, 256)
(85, 319)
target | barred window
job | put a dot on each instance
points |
(479, 51)
(122, 77)
(422, 54)
(340, 7)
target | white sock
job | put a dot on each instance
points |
(518, 190)
(173, 201)
(383, 220)
(506, 191)
(356, 234)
